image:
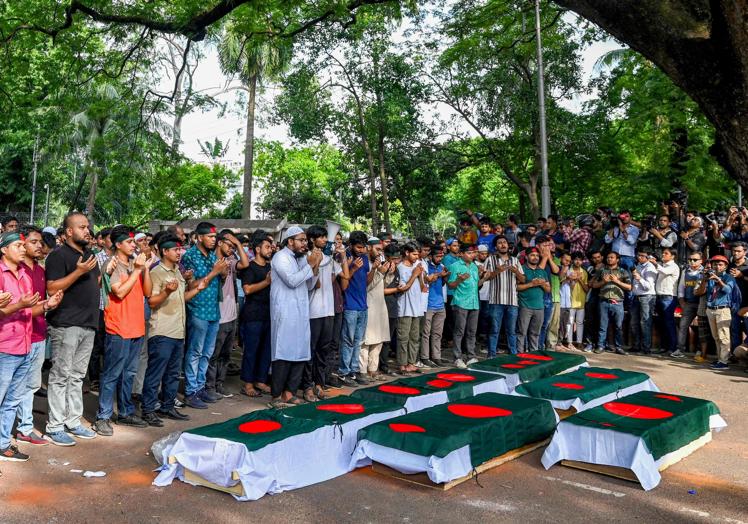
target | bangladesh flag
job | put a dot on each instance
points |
(338, 410)
(637, 432)
(586, 387)
(524, 367)
(430, 389)
(448, 440)
(259, 428)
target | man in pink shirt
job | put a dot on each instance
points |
(25, 430)
(15, 335)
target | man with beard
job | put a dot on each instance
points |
(204, 314)
(531, 308)
(504, 273)
(613, 282)
(73, 269)
(377, 322)
(293, 276)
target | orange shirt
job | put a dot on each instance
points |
(126, 317)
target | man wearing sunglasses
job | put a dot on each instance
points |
(690, 280)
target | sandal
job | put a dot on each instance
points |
(320, 393)
(309, 395)
(251, 392)
(277, 403)
(264, 388)
(294, 401)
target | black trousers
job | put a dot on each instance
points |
(389, 348)
(286, 376)
(94, 365)
(218, 364)
(315, 370)
(333, 352)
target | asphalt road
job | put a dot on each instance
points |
(44, 490)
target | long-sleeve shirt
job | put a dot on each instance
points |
(646, 284)
(580, 240)
(718, 296)
(624, 246)
(667, 279)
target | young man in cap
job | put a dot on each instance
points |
(464, 279)
(124, 317)
(203, 314)
(718, 287)
(16, 329)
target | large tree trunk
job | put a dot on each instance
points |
(249, 149)
(702, 45)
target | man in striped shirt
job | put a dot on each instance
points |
(505, 272)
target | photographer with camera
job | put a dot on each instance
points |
(622, 235)
(661, 237)
(717, 286)
(735, 228)
(694, 236)
(580, 239)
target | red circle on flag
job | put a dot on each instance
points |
(399, 390)
(475, 411)
(407, 428)
(669, 397)
(607, 424)
(567, 385)
(345, 409)
(528, 362)
(534, 357)
(604, 376)
(513, 366)
(636, 411)
(439, 383)
(456, 377)
(259, 426)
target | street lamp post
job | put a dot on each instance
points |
(545, 189)
(46, 207)
(33, 183)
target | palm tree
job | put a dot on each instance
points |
(91, 127)
(254, 61)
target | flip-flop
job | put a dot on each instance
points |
(263, 389)
(320, 393)
(294, 401)
(311, 397)
(256, 393)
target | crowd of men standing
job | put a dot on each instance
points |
(141, 314)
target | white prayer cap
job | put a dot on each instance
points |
(49, 229)
(291, 232)
(139, 236)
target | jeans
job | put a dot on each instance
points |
(71, 351)
(354, 327)
(256, 356)
(498, 313)
(33, 383)
(608, 310)
(484, 321)
(218, 365)
(642, 308)
(547, 314)
(737, 327)
(201, 341)
(666, 308)
(120, 365)
(14, 372)
(164, 364)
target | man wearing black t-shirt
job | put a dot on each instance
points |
(71, 268)
(255, 319)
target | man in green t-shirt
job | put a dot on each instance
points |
(531, 309)
(464, 280)
(613, 282)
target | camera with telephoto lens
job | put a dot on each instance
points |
(648, 222)
(709, 272)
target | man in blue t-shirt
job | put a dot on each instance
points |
(355, 312)
(486, 236)
(433, 323)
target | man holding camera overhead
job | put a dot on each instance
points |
(622, 235)
(662, 236)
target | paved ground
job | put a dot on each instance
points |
(44, 489)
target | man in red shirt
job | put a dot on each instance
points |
(33, 245)
(15, 335)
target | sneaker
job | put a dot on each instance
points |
(598, 350)
(210, 397)
(334, 382)
(362, 379)
(82, 433)
(33, 438)
(419, 364)
(620, 351)
(698, 358)
(349, 381)
(11, 454)
(471, 361)
(222, 391)
(178, 403)
(60, 438)
(677, 354)
(132, 421)
(588, 348)
(152, 419)
(103, 427)
(430, 363)
(719, 365)
(460, 364)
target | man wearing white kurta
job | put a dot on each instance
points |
(293, 276)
